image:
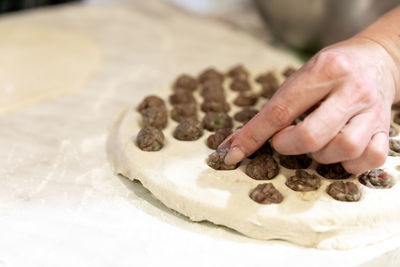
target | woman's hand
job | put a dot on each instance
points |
(354, 84)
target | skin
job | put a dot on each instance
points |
(354, 82)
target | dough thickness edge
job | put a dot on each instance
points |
(276, 228)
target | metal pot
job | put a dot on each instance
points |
(312, 24)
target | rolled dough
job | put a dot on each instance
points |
(38, 63)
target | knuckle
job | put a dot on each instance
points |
(377, 156)
(320, 157)
(309, 140)
(363, 93)
(351, 145)
(333, 64)
(279, 115)
(249, 141)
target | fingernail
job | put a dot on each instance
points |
(234, 156)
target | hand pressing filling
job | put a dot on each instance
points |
(266, 194)
(216, 160)
(262, 167)
(344, 191)
(214, 121)
(333, 171)
(245, 115)
(295, 162)
(376, 178)
(265, 150)
(150, 139)
(214, 140)
(303, 181)
(151, 101)
(186, 82)
(189, 129)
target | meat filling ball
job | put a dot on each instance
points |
(214, 121)
(295, 161)
(288, 71)
(245, 100)
(150, 139)
(394, 145)
(245, 115)
(396, 118)
(214, 140)
(344, 191)
(210, 74)
(182, 111)
(266, 194)
(333, 171)
(189, 129)
(156, 117)
(212, 88)
(268, 90)
(240, 85)
(182, 97)
(216, 160)
(186, 82)
(393, 131)
(376, 178)
(303, 181)
(215, 106)
(262, 168)
(238, 72)
(267, 78)
(151, 101)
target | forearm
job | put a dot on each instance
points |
(386, 33)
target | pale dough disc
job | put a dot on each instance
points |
(39, 63)
(180, 178)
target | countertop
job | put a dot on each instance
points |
(60, 202)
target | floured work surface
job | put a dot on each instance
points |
(269, 196)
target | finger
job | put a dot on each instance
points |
(307, 86)
(324, 123)
(350, 142)
(374, 155)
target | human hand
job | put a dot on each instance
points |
(353, 82)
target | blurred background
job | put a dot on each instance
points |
(304, 25)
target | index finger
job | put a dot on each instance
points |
(298, 93)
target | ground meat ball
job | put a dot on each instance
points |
(396, 106)
(238, 72)
(344, 191)
(245, 115)
(268, 90)
(189, 129)
(288, 71)
(211, 88)
(214, 140)
(266, 194)
(216, 160)
(214, 121)
(295, 162)
(267, 78)
(182, 111)
(150, 139)
(210, 105)
(265, 150)
(210, 74)
(245, 100)
(182, 97)
(186, 82)
(396, 118)
(303, 181)
(240, 85)
(394, 145)
(151, 101)
(332, 171)
(156, 117)
(376, 178)
(262, 167)
(393, 131)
